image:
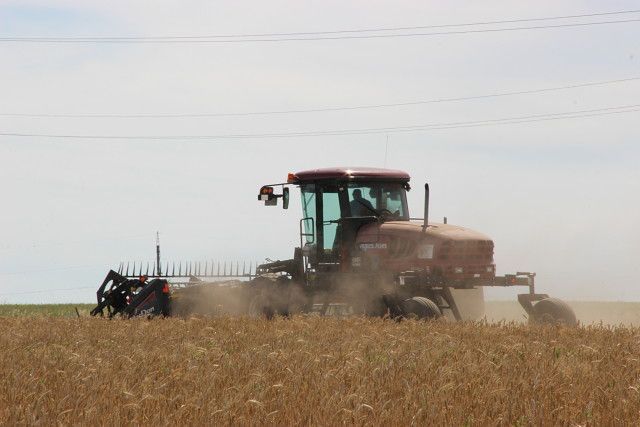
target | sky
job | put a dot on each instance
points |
(558, 197)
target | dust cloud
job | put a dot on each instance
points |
(280, 296)
(228, 297)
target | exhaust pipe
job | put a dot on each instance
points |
(426, 207)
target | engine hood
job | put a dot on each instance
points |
(413, 231)
(457, 252)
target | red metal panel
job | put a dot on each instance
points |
(350, 173)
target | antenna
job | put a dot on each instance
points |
(158, 253)
(386, 149)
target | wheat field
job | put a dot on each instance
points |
(314, 370)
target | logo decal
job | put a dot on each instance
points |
(367, 246)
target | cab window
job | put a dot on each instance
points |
(374, 199)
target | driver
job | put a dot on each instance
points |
(360, 206)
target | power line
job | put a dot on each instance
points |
(321, 109)
(317, 33)
(44, 270)
(394, 129)
(243, 39)
(45, 291)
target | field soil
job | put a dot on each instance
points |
(314, 370)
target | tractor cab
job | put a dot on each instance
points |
(337, 202)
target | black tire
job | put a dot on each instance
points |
(553, 311)
(421, 308)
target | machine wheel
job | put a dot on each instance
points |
(553, 311)
(420, 308)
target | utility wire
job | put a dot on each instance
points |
(44, 270)
(45, 291)
(320, 109)
(394, 129)
(311, 33)
(217, 39)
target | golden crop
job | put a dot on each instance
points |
(313, 370)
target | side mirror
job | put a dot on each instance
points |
(271, 199)
(266, 195)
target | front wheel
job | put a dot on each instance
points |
(420, 308)
(553, 311)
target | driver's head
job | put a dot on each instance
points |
(357, 194)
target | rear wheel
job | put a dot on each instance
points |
(553, 311)
(420, 308)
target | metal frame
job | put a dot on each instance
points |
(192, 272)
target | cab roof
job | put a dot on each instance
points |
(348, 174)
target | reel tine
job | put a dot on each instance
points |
(153, 273)
(225, 268)
(127, 272)
(180, 269)
(120, 268)
(218, 270)
(173, 270)
(147, 273)
(243, 266)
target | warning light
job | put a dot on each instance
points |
(291, 177)
(165, 288)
